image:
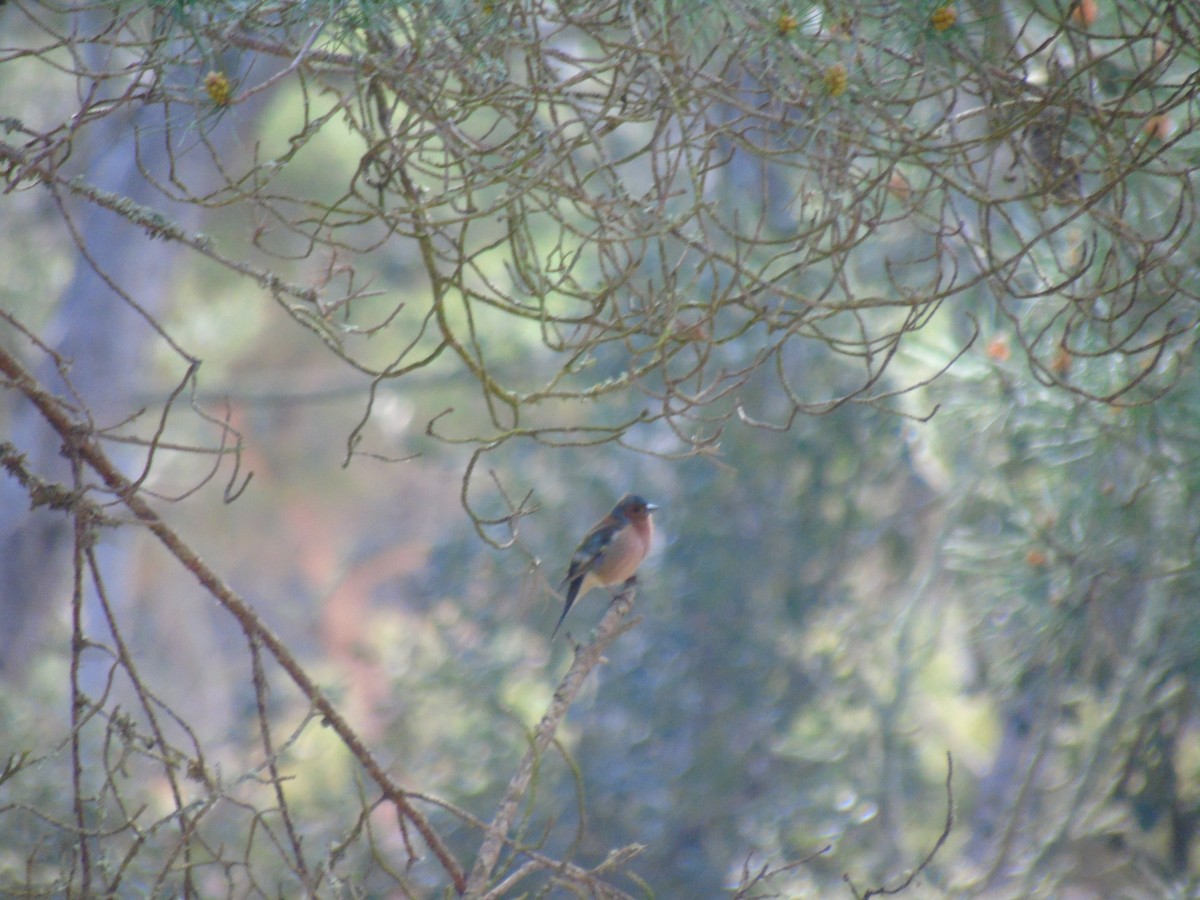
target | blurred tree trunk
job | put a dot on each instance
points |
(103, 342)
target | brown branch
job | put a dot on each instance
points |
(82, 536)
(156, 224)
(904, 885)
(264, 729)
(586, 659)
(81, 444)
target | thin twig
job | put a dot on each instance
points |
(946, 829)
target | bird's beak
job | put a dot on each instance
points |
(651, 507)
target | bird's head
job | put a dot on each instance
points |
(633, 508)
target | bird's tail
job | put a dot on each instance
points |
(572, 592)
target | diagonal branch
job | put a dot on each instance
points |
(81, 444)
(586, 659)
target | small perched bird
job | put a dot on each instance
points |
(611, 552)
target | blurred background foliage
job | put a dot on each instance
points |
(970, 300)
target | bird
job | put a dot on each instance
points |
(610, 552)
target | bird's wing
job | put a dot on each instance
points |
(587, 555)
(590, 551)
